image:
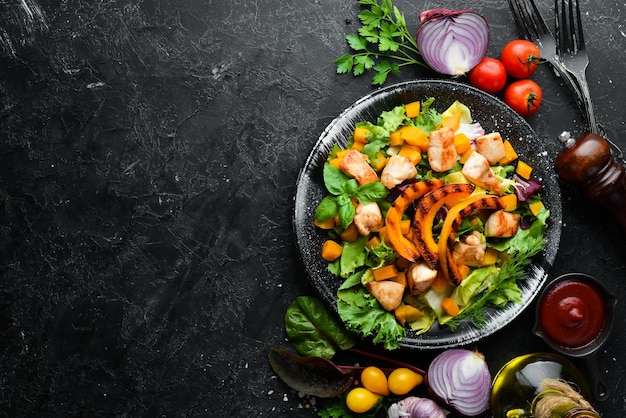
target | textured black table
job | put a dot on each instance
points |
(148, 160)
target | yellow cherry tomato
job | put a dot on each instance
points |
(375, 380)
(360, 400)
(402, 380)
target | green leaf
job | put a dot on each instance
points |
(384, 68)
(310, 375)
(388, 33)
(387, 44)
(380, 78)
(400, 20)
(356, 42)
(365, 60)
(314, 330)
(346, 210)
(369, 33)
(383, 33)
(381, 255)
(353, 256)
(352, 280)
(344, 64)
(371, 17)
(326, 209)
(371, 321)
(371, 192)
(359, 68)
(334, 180)
(392, 119)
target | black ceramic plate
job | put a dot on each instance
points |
(493, 115)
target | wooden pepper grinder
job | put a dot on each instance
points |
(586, 163)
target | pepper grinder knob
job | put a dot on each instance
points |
(587, 164)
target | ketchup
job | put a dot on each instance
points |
(571, 314)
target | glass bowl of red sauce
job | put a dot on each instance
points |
(574, 316)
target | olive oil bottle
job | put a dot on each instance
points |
(520, 386)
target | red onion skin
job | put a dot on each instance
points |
(414, 407)
(440, 13)
(441, 387)
(433, 39)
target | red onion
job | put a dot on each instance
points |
(414, 407)
(452, 42)
(461, 379)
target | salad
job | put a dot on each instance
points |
(430, 219)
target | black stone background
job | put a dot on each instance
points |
(148, 160)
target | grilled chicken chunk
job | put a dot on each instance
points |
(420, 277)
(491, 147)
(355, 165)
(442, 154)
(470, 250)
(502, 224)
(397, 169)
(388, 293)
(478, 170)
(368, 218)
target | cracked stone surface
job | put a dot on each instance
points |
(149, 152)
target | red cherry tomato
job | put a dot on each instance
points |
(524, 96)
(520, 58)
(488, 75)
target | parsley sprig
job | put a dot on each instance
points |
(383, 43)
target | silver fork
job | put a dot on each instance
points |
(531, 26)
(572, 53)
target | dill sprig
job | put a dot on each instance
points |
(504, 287)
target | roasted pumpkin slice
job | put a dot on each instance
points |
(400, 243)
(455, 216)
(427, 209)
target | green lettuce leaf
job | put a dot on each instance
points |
(314, 330)
(362, 314)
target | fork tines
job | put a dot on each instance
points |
(569, 27)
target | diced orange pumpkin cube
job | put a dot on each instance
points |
(331, 250)
(327, 224)
(382, 234)
(407, 313)
(461, 143)
(509, 201)
(535, 207)
(372, 242)
(509, 154)
(379, 162)
(360, 135)
(395, 138)
(490, 258)
(400, 278)
(385, 272)
(412, 153)
(342, 153)
(465, 156)
(412, 109)
(351, 233)
(415, 136)
(357, 145)
(450, 306)
(440, 283)
(523, 170)
(412, 313)
(335, 162)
